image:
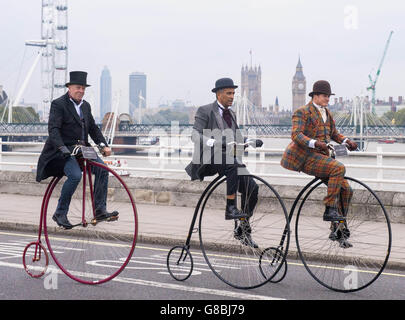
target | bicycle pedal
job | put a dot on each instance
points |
(113, 218)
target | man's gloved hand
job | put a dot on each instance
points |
(220, 142)
(256, 143)
(65, 152)
(351, 145)
(322, 146)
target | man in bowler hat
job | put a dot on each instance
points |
(70, 123)
(214, 128)
(313, 128)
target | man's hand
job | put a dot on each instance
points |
(351, 145)
(220, 143)
(65, 152)
(256, 143)
(322, 146)
(106, 151)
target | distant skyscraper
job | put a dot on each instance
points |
(137, 92)
(105, 92)
(299, 87)
(251, 84)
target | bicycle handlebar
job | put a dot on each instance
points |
(77, 150)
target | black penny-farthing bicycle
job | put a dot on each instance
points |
(346, 255)
(226, 244)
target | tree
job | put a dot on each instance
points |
(400, 117)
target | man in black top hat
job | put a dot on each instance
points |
(214, 128)
(70, 123)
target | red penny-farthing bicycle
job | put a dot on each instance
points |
(93, 251)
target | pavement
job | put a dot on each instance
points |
(167, 225)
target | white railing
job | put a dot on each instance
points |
(157, 155)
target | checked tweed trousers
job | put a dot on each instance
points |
(322, 166)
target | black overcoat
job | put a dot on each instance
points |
(65, 129)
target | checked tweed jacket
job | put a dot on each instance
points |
(307, 124)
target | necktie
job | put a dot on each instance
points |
(227, 117)
(323, 113)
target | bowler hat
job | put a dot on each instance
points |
(223, 83)
(78, 77)
(321, 86)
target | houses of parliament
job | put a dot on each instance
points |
(251, 86)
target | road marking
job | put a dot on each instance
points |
(197, 253)
(162, 285)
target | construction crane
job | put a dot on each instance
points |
(373, 82)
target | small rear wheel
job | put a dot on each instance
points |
(180, 263)
(35, 259)
(269, 261)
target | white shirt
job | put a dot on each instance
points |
(221, 108)
(322, 111)
(210, 142)
(77, 106)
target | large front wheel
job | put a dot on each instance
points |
(343, 256)
(93, 251)
(245, 253)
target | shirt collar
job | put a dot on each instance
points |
(221, 106)
(74, 102)
(319, 107)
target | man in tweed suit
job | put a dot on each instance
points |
(214, 128)
(312, 129)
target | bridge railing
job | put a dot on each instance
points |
(125, 128)
(157, 158)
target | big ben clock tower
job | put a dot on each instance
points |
(299, 87)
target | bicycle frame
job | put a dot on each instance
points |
(195, 215)
(84, 163)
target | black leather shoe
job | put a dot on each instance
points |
(243, 233)
(105, 215)
(62, 221)
(332, 214)
(231, 213)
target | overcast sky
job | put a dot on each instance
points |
(185, 45)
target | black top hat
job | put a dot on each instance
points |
(223, 83)
(321, 86)
(78, 77)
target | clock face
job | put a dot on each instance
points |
(300, 86)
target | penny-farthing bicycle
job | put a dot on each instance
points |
(93, 251)
(346, 255)
(226, 244)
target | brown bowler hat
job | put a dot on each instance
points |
(321, 86)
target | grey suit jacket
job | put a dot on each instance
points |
(209, 124)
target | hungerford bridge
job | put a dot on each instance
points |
(357, 122)
(125, 129)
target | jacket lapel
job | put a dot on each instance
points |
(72, 109)
(218, 117)
(315, 114)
